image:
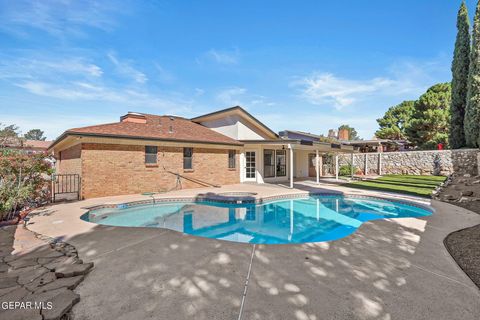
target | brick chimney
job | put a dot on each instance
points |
(343, 134)
(134, 117)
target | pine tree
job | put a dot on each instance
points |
(429, 125)
(460, 65)
(472, 112)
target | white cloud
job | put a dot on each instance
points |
(224, 57)
(126, 69)
(231, 96)
(11, 68)
(57, 17)
(199, 92)
(405, 79)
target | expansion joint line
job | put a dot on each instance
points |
(245, 288)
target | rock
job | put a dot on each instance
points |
(69, 283)
(60, 300)
(4, 291)
(62, 303)
(3, 267)
(467, 175)
(15, 295)
(41, 281)
(22, 314)
(476, 182)
(73, 270)
(8, 282)
(467, 193)
(30, 275)
(450, 197)
(64, 260)
(22, 263)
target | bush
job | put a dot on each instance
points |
(23, 181)
(346, 170)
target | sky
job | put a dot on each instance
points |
(298, 65)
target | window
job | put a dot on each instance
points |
(150, 154)
(187, 158)
(231, 159)
(269, 163)
(281, 163)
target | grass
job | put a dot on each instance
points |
(421, 186)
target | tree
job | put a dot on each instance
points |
(35, 134)
(393, 123)
(472, 112)
(460, 66)
(431, 117)
(9, 135)
(352, 133)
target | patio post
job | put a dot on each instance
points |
(317, 168)
(291, 165)
(336, 166)
(353, 162)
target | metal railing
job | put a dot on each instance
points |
(65, 184)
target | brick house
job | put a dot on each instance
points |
(150, 153)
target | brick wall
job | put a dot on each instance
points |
(120, 169)
(69, 160)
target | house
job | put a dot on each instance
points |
(28, 146)
(150, 153)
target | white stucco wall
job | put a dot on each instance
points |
(235, 127)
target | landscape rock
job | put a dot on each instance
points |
(69, 283)
(22, 263)
(62, 303)
(64, 260)
(73, 270)
(21, 314)
(15, 295)
(467, 193)
(8, 282)
(40, 281)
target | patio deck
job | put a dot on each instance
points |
(388, 269)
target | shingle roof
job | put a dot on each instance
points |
(158, 127)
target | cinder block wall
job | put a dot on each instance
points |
(443, 162)
(109, 169)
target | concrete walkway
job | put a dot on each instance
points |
(388, 269)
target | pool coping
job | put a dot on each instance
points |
(249, 200)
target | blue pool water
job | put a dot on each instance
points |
(313, 219)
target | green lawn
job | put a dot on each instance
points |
(421, 186)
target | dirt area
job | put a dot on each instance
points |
(464, 245)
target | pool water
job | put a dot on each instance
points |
(313, 219)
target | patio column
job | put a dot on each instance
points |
(317, 168)
(379, 163)
(336, 166)
(353, 163)
(366, 163)
(291, 165)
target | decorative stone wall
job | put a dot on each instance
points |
(435, 162)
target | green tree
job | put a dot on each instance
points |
(472, 112)
(352, 133)
(393, 123)
(35, 134)
(460, 65)
(9, 135)
(431, 118)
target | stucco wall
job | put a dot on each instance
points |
(444, 162)
(235, 127)
(109, 169)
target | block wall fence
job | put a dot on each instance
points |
(436, 162)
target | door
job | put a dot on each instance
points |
(250, 166)
(312, 172)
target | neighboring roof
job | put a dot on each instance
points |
(241, 111)
(26, 144)
(375, 142)
(167, 128)
(307, 134)
(37, 144)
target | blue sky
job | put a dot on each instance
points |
(301, 65)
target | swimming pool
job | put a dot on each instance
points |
(310, 219)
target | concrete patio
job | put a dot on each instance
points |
(388, 269)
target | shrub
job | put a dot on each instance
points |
(23, 181)
(346, 170)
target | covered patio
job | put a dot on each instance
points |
(288, 160)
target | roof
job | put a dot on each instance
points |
(168, 128)
(307, 134)
(241, 111)
(37, 144)
(26, 144)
